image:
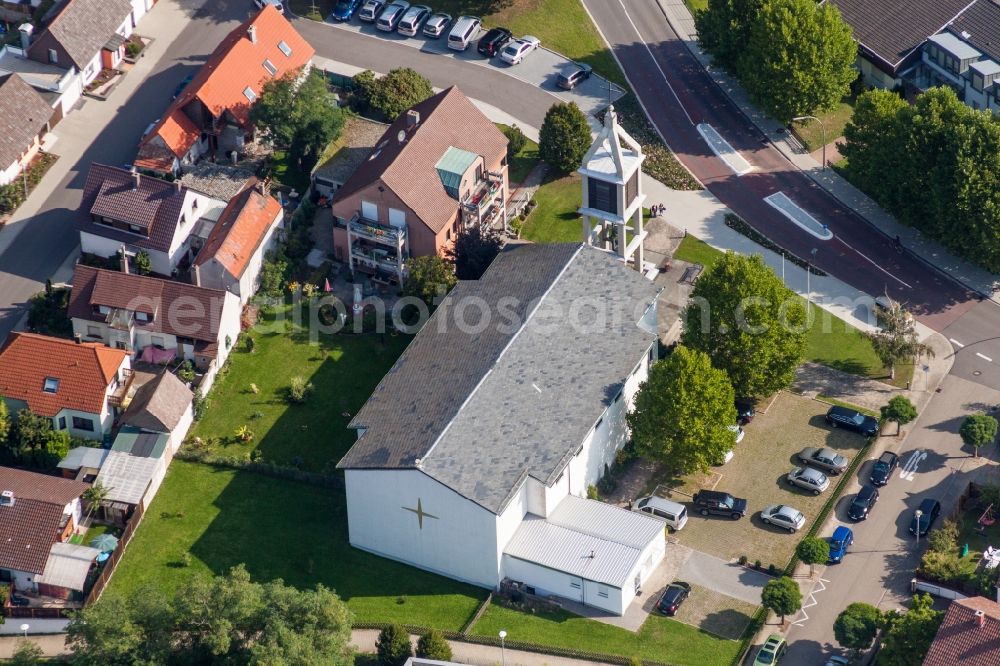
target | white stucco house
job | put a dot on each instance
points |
(475, 452)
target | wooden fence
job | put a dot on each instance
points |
(116, 555)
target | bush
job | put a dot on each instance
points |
(143, 264)
(394, 93)
(515, 139)
(299, 390)
(185, 372)
(564, 138)
(592, 492)
(432, 645)
(47, 313)
(393, 646)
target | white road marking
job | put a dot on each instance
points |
(956, 342)
(873, 263)
(909, 470)
(784, 205)
(985, 358)
(724, 150)
(811, 602)
(655, 61)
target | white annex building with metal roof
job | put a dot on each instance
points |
(475, 451)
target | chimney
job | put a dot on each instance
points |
(196, 274)
(124, 261)
(26, 30)
(178, 185)
(252, 34)
(980, 618)
(412, 119)
(136, 177)
(76, 338)
(264, 186)
(7, 498)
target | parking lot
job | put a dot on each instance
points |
(540, 68)
(757, 472)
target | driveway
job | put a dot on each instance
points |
(728, 578)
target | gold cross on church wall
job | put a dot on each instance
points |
(421, 514)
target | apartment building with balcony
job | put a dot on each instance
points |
(438, 170)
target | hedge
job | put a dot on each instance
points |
(737, 224)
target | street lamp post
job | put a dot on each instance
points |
(918, 515)
(822, 127)
(503, 655)
(24, 628)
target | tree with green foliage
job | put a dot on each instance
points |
(900, 410)
(143, 264)
(299, 114)
(5, 423)
(432, 645)
(873, 141)
(683, 412)
(515, 139)
(812, 551)
(906, 637)
(31, 433)
(393, 646)
(799, 58)
(94, 496)
(564, 137)
(48, 313)
(27, 653)
(724, 29)
(223, 619)
(978, 430)
(474, 250)
(896, 339)
(430, 279)
(856, 626)
(781, 595)
(392, 94)
(749, 324)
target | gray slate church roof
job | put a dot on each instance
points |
(481, 410)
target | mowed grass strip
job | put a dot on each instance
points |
(555, 218)
(279, 529)
(660, 639)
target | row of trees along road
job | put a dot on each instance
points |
(744, 335)
(793, 56)
(935, 165)
(906, 637)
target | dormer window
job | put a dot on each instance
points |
(135, 228)
(269, 67)
(285, 48)
(104, 309)
(142, 316)
(250, 94)
(51, 385)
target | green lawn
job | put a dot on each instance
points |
(697, 251)
(289, 174)
(554, 219)
(279, 529)
(94, 531)
(521, 163)
(343, 369)
(811, 133)
(660, 639)
(695, 5)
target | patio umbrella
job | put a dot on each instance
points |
(104, 542)
(326, 286)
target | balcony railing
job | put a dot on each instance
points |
(120, 319)
(121, 394)
(376, 232)
(483, 193)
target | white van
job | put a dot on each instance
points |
(464, 31)
(675, 514)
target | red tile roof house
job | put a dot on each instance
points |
(155, 320)
(38, 514)
(213, 112)
(24, 121)
(233, 255)
(441, 167)
(80, 386)
(969, 635)
(122, 209)
(87, 34)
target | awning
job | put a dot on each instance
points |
(115, 42)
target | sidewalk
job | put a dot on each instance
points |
(928, 251)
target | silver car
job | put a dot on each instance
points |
(436, 25)
(826, 459)
(783, 515)
(809, 478)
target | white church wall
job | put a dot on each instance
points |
(546, 582)
(508, 521)
(535, 496)
(556, 492)
(458, 537)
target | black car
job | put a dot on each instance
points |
(883, 467)
(863, 503)
(928, 510)
(844, 417)
(744, 411)
(494, 40)
(713, 502)
(572, 74)
(672, 598)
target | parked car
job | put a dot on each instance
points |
(391, 15)
(863, 502)
(277, 4)
(436, 25)
(929, 510)
(573, 74)
(837, 660)
(882, 470)
(674, 513)
(370, 10)
(518, 49)
(182, 85)
(783, 515)
(462, 33)
(413, 19)
(714, 502)
(826, 459)
(738, 432)
(672, 598)
(840, 541)
(771, 651)
(744, 411)
(16, 600)
(495, 39)
(809, 478)
(726, 457)
(845, 417)
(345, 9)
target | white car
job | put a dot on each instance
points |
(515, 52)
(809, 478)
(783, 515)
(436, 25)
(738, 432)
(391, 15)
(413, 19)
